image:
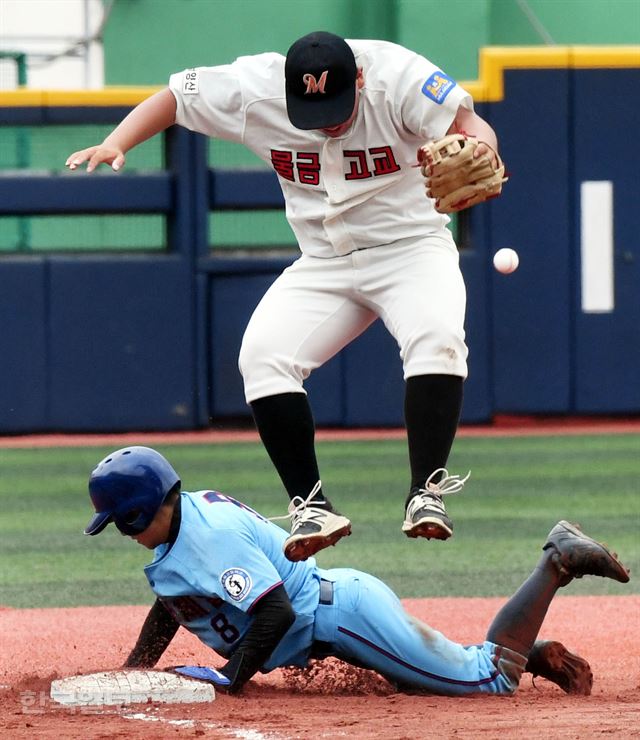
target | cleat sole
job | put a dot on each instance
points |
(429, 529)
(308, 545)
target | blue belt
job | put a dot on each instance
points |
(326, 592)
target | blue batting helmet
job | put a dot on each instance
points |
(128, 487)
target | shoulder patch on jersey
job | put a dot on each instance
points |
(190, 82)
(438, 86)
(236, 582)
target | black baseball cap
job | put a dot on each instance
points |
(320, 80)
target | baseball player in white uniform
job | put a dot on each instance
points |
(340, 122)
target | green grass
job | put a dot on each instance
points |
(518, 489)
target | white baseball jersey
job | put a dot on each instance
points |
(353, 192)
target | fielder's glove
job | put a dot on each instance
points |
(454, 177)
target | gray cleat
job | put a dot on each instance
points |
(575, 554)
(314, 526)
(426, 515)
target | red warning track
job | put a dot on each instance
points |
(503, 426)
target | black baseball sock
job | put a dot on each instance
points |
(432, 407)
(517, 624)
(286, 427)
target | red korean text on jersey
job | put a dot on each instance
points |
(304, 167)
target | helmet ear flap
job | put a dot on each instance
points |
(132, 522)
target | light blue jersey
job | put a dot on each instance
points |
(226, 557)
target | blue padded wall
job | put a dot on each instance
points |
(607, 345)
(232, 300)
(126, 342)
(531, 323)
(123, 350)
(23, 345)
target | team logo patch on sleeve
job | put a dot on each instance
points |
(236, 582)
(190, 82)
(438, 86)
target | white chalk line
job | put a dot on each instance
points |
(241, 734)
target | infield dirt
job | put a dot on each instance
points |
(331, 700)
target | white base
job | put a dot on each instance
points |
(111, 688)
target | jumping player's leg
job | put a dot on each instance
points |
(304, 319)
(432, 410)
(432, 406)
(423, 306)
(294, 457)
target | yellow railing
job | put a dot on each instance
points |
(494, 60)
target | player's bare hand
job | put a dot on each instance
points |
(484, 148)
(94, 156)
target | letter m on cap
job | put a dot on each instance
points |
(314, 86)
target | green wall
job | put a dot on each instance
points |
(448, 32)
(147, 40)
(567, 21)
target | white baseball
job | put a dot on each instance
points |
(506, 260)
